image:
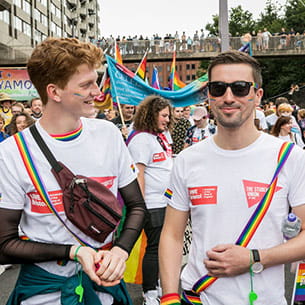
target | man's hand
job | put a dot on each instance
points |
(111, 265)
(227, 260)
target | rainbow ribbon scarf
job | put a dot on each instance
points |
(38, 183)
(250, 228)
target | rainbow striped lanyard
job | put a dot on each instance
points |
(38, 182)
(250, 228)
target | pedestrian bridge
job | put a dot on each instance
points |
(161, 50)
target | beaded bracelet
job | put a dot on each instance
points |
(75, 253)
(170, 299)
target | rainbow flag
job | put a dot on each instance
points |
(104, 100)
(155, 79)
(174, 81)
(133, 272)
(141, 70)
(117, 55)
(299, 284)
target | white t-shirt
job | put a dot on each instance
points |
(262, 119)
(98, 152)
(201, 133)
(145, 148)
(221, 189)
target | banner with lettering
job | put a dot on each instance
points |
(128, 88)
(16, 83)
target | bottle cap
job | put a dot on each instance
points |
(291, 217)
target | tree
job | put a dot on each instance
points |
(295, 15)
(240, 21)
(271, 18)
(213, 27)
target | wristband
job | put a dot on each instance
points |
(170, 299)
(75, 253)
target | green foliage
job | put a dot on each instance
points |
(295, 15)
(271, 18)
(240, 21)
(213, 27)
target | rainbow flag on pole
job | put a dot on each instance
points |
(299, 284)
(117, 55)
(174, 81)
(104, 100)
(141, 70)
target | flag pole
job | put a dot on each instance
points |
(139, 66)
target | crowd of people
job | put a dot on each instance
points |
(261, 40)
(210, 163)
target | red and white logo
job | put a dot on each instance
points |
(203, 195)
(158, 157)
(106, 181)
(255, 191)
(39, 206)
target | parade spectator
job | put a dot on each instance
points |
(17, 108)
(36, 107)
(261, 120)
(57, 266)
(272, 118)
(152, 154)
(259, 40)
(187, 114)
(283, 38)
(5, 107)
(124, 125)
(212, 182)
(3, 135)
(201, 129)
(301, 122)
(181, 125)
(283, 130)
(201, 40)
(20, 121)
(266, 36)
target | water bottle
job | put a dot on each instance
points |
(291, 226)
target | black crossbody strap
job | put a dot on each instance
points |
(44, 148)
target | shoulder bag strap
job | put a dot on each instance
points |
(45, 149)
(38, 182)
(254, 221)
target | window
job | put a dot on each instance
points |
(18, 23)
(188, 77)
(193, 76)
(26, 7)
(193, 66)
(44, 20)
(43, 2)
(5, 16)
(37, 14)
(18, 3)
(53, 9)
(27, 29)
(188, 66)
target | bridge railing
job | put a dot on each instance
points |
(210, 44)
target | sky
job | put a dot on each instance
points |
(144, 17)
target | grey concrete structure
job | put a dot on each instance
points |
(25, 23)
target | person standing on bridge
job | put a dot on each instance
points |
(237, 252)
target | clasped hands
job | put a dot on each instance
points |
(227, 260)
(105, 267)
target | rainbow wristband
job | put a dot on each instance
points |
(170, 299)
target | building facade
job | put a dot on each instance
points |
(25, 23)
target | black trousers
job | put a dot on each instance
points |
(150, 266)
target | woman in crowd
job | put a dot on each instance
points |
(3, 135)
(152, 153)
(20, 121)
(282, 130)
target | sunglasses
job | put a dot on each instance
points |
(239, 88)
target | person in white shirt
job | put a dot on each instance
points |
(219, 183)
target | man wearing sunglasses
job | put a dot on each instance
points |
(219, 183)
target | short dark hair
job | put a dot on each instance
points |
(237, 57)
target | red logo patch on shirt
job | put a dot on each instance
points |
(106, 181)
(203, 195)
(255, 191)
(158, 157)
(39, 206)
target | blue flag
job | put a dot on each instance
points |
(129, 88)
